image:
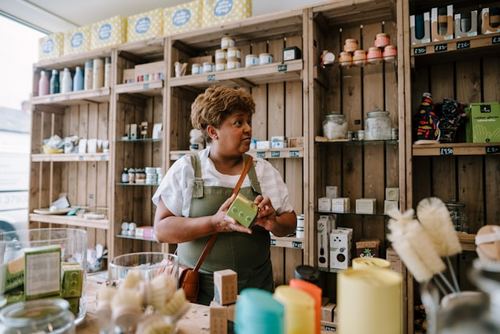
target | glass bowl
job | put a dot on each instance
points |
(148, 264)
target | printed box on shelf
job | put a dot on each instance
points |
(223, 11)
(51, 46)
(108, 33)
(145, 25)
(182, 18)
(77, 40)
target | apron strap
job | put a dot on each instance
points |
(198, 178)
(252, 175)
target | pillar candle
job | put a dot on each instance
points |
(299, 310)
(370, 262)
(315, 292)
(258, 312)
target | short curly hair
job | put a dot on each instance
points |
(216, 104)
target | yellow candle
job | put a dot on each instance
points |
(299, 310)
(370, 262)
(369, 301)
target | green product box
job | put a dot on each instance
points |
(74, 305)
(15, 296)
(243, 210)
(483, 124)
(42, 268)
(72, 280)
(12, 274)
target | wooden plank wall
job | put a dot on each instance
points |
(78, 180)
(278, 112)
(360, 171)
(472, 180)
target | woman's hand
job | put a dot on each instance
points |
(224, 223)
(266, 217)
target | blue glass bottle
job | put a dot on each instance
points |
(54, 82)
(78, 79)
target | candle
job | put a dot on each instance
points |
(369, 301)
(315, 292)
(370, 262)
(258, 312)
(299, 310)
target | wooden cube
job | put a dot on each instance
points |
(218, 320)
(225, 287)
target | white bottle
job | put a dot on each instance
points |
(98, 74)
(67, 82)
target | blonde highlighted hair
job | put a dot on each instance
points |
(216, 104)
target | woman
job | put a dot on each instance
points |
(195, 194)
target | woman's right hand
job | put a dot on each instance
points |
(224, 223)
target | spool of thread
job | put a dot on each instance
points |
(299, 309)
(98, 73)
(315, 292)
(380, 293)
(370, 262)
(258, 312)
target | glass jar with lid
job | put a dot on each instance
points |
(335, 126)
(378, 126)
(38, 316)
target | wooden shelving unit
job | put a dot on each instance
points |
(149, 88)
(276, 153)
(73, 98)
(453, 149)
(102, 224)
(135, 238)
(72, 157)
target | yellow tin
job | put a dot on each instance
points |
(145, 25)
(182, 18)
(222, 11)
(108, 33)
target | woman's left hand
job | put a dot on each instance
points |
(266, 217)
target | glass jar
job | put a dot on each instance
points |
(378, 126)
(38, 316)
(335, 126)
(458, 217)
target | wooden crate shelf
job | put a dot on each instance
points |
(287, 242)
(456, 45)
(321, 140)
(376, 214)
(275, 153)
(73, 98)
(73, 157)
(147, 49)
(355, 12)
(73, 60)
(455, 149)
(247, 76)
(135, 238)
(137, 184)
(150, 88)
(102, 224)
(144, 140)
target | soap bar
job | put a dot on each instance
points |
(72, 280)
(243, 210)
(291, 53)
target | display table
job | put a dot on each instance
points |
(196, 320)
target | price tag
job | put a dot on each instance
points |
(282, 68)
(81, 157)
(294, 154)
(275, 154)
(446, 151)
(297, 244)
(273, 242)
(51, 98)
(261, 154)
(441, 47)
(104, 157)
(492, 149)
(420, 51)
(327, 328)
(145, 86)
(211, 77)
(463, 45)
(495, 40)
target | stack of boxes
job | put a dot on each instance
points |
(223, 306)
(391, 199)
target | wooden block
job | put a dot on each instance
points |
(218, 320)
(230, 309)
(225, 286)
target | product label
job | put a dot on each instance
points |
(105, 31)
(463, 45)
(48, 46)
(223, 7)
(261, 154)
(275, 154)
(294, 154)
(495, 40)
(296, 244)
(485, 109)
(492, 149)
(77, 40)
(142, 25)
(441, 47)
(181, 17)
(446, 151)
(282, 68)
(211, 77)
(420, 51)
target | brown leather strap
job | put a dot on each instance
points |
(210, 243)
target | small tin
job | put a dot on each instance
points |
(251, 60)
(233, 64)
(196, 68)
(265, 58)
(220, 67)
(208, 67)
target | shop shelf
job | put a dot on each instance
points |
(275, 153)
(322, 140)
(135, 238)
(139, 140)
(287, 242)
(247, 76)
(70, 221)
(73, 60)
(137, 184)
(73, 157)
(455, 149)
(456, 45)
(149, 88)
(65, 99)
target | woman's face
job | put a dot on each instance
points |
(235, 134)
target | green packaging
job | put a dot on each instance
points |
(483, 122)
(12, 274)
(72, 280)
(42, 267)
(74, 305)
(243, 210)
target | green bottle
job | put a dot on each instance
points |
(54, 82)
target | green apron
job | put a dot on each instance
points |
(246, 254)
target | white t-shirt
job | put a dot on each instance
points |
(176, 188)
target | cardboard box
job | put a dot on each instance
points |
(389, 205)
(222, 11)
(129, 75)
(340, 248)
(51, 46)
(341, 204)
(327, 312)
(324, 228)
(366, 206)
(332, 191)
(483, 122)
(145, 25)
(225, 286)
(182, 18)
(108, 33)
(72, 280)
(324, 204)
(77, 40)
(367, 248)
